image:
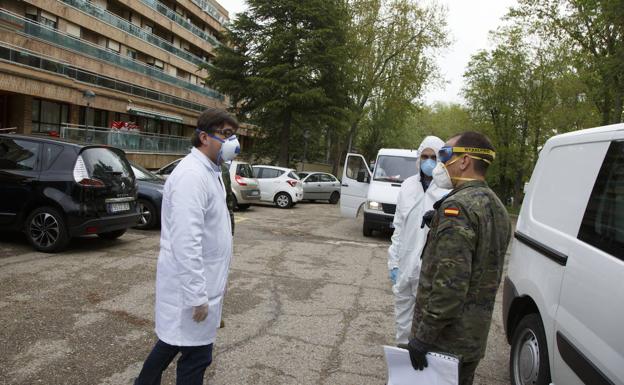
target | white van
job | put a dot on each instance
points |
(563, 300)
(375, 192)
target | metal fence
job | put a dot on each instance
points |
(130, 141)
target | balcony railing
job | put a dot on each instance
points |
(210, 9)
(46, 63)
(171, 14)
(83, 47)
(130, 141)
(126, 26)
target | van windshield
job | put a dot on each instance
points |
(394, 168)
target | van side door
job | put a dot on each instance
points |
(589, 341)
(356, 178)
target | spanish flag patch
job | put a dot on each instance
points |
(451, 212)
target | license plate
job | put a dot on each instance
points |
(255, 192)
(118, 207)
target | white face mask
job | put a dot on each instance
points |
(230, 148)
(441, 177)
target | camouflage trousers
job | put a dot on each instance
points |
(467, 372)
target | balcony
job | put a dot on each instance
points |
(129, 141)
(136, 31)
(211, 10)
(172, 15)
(85, 48)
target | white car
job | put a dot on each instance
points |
(563, 300)
(244, 186)
(278, 185)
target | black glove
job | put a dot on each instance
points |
(427, 218)
(418, 354)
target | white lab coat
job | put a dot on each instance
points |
(409, 240)
(195, 252)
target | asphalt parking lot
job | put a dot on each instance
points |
(309, 302)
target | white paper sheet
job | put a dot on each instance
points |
(442, 369)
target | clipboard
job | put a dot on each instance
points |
(442, 369)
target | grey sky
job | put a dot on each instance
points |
(469, 22)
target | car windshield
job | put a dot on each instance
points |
(394, 168)
(244, 170)
(302, 175)
(143, 174)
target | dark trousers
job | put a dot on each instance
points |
(467, 372)
(191, 366)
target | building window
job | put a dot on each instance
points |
(93, 117)
(112, 45)
(41, 17)
(132, 54)
(183, 74)
(148, 27)
(48, 116)
(73, 29)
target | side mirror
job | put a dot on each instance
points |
(362, 177)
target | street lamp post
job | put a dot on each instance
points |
(89, 97)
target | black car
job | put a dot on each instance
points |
(54, 190)
(150, 197)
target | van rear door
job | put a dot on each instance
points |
(589, 342)
(356, 178)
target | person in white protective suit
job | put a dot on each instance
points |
(195, 254)
(417, 195)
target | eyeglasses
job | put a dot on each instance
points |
(227, 132)
(446, 153)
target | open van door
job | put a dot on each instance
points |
(356, 178)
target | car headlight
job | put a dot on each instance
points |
(372, 205)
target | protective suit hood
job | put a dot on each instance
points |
(432, 142)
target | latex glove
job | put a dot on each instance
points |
(200, 312)
(418, 354)
(394, 273)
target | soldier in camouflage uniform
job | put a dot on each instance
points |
(230, 199)
(462, 262)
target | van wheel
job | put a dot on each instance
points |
(367, 230)
(334, 198)
(528, 361)
(148, 217)
(111, 235)
(46, 230)
(283, 200)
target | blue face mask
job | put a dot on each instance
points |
(427, 166)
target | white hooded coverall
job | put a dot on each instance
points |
(408, 241)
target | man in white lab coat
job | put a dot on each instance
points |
(417, 195)
(195, 253)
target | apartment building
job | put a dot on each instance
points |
(128, 73)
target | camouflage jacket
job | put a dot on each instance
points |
(462, 264)
(230, 199)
